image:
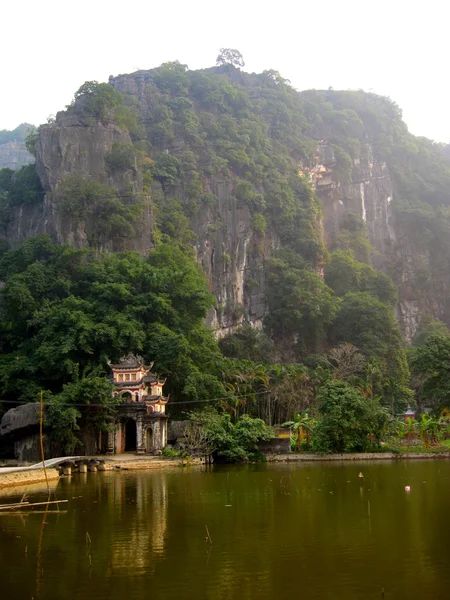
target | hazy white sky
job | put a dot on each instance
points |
(397, 48)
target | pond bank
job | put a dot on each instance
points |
(125, 463)
(25, 477)
(305, 457)
(131, 463)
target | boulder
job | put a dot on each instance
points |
(19, 419)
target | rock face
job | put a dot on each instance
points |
(22, 419)
(232, 257)
(65, 148)
(369, 194)
(14, 155)
(229, 249)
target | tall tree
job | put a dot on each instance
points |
(230, 56)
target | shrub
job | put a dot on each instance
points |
(121, 157)
(348, 422)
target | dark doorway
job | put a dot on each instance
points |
(130, 435)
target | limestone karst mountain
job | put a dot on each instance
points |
(246, 171)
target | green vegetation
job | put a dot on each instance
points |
(207, 432)
(95, 101)
(121, 157)
(65, 312)
(21, 186)
(348, 422)
(330, 346)
(106, 215)
(430, 366)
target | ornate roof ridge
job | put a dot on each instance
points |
(131, 361)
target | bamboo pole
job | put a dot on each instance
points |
(22, 504)
(209, 537)
(42, 442)
(14, 504)
(21, 513)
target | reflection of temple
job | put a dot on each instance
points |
(143, 529)
(142, 422)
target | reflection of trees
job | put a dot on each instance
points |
(126, 518)
(271, 528)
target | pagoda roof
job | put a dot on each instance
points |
(128, 384)
(153, 399)
(152, 378)
(131, 361)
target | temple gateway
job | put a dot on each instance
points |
(141, 424)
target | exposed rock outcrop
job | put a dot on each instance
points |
(21, 419)
(228, 247)
(369, 194)
(66, 148)
(232, 257)
(14, 155)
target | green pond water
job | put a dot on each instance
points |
(286, 531)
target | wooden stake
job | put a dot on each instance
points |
(42, 442)
(209, 537)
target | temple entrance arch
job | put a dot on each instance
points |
(130, 436)
(149, 439)
(126, 396)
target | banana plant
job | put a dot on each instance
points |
(302, 426)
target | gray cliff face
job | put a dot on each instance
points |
(14, 155)
(370, 194)
(66, 148)
(232, 257)
(230, 252)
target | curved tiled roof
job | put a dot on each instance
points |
(131, 361)
(154, 398)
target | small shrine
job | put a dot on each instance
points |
(409, 414)
(141, 424)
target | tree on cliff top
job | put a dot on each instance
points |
(230, 56)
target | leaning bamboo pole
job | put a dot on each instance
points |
(27, 505)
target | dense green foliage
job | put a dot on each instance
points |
(300, 303)
(65, 312)
(101, 102)
(347, 421)
(207, 432)
(330, 341)
(107, 216)
(21, 186)
(430, 366)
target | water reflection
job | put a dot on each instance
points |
(277, 532)
(143, 503)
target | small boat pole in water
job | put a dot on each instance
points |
(208, 539)
(41, 441)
